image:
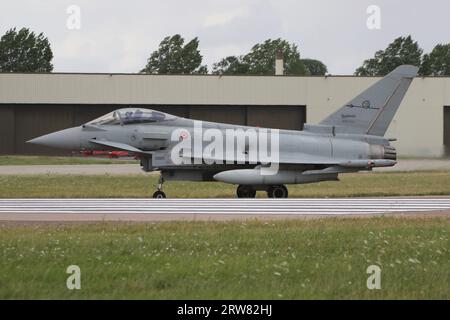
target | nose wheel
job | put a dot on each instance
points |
(277, 192)
(159, 194)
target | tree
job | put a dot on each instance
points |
(261, 60)
(230, 65)
(436, 63)
(175, 57)
(402, 51)
(315, 67)
(24, 51)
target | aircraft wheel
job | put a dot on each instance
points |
(159, 195)
(245, 192)
(277, 192)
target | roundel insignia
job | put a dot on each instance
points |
(366, 104)
(184, 135)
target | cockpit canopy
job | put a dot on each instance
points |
(132, 116)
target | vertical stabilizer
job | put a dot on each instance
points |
(372, 111)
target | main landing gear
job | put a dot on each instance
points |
(247, 191)
(244, 191)
(159, 194)
(277, 192)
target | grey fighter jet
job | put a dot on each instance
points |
(349, 140)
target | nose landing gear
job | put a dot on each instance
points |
(159, 194)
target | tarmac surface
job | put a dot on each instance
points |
(130, 169)
(66, 210)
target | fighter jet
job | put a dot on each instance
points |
(255, 159)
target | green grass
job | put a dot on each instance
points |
(50, 160)
(297, 259)
(104, 186)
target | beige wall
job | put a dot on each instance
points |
(418, 125)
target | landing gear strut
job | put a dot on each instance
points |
(244, 191)
(279, 191)
(159, 194)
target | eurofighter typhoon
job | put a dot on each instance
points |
(349, 140)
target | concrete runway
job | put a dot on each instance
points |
(62, 210)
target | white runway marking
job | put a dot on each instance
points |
(341, 206)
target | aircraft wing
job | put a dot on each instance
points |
(285, 158)
(307, 159)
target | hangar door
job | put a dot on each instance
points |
(279, 117)
(447, 130)
(21, 122)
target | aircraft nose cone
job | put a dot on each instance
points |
(64, 139)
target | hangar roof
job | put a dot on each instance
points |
(90, 88)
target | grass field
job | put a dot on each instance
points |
(103, 186)
(48, 160)
(300, 259)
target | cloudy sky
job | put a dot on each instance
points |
(118, 36)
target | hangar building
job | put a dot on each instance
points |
(35, 104)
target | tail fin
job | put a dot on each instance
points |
(372, 111)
